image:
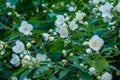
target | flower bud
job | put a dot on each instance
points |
(64, 60)
(8, 4)
(32, 41)
(21, 55)
(13, 6)
(92, 70)
(88, 50)
(54, 33)
(53, 6)
(74, 62)
(82, 65)
(85, 43)
(37, 10)
(64, 51)
(2, 52)
(28, 45)
(43, 5)
(71, 54)
(46, 36)
(86, 23)
(9, 13)
(51, 30)
(51, 38)
(98, 78)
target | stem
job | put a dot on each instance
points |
(43, 46)
(112, 55)
(84, 4)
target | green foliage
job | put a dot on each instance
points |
(63, 73)
(57, 48)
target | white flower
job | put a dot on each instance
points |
(106, 76)
(1, 46)
(25, 28)
(15, 59)
(95, 42)
(117, 7)
(105, 9)
(107, 18)
(73, 25)
(46, 36)
(92, 70)
(8, 4)
(26, 78)
(60, 20)
(58, 28)
(26, 59)
(96, 1)
(79, 15)
(19, 47)
(71, 9)
(63, 32)
(102, 1)
(88, 50)
(94, 10)
(14, 78)
(41, 57)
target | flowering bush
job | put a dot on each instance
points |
(59, 40)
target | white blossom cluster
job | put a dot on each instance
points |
(3, 46)
(24, 57)
(21, 55)
(65, 26)
(106, 10)
(63, 23)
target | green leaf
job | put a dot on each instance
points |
(2, 26)
(19, 71)
(73, 58)
(97, 61)
(100, 64)
(5, 55)
(40, 71)
(5, 74)
(79, 67)
(13, 2)
(92, 21)
(78, 34)
(38, 32)
(53, 78)
(14, 35)
(111, 67)
(77, 48)
(43, 68)
(85, 76)
(51, 15)
(36, 74)
(48, 72)
(56, 46)
(63, 73)
(26, 73)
